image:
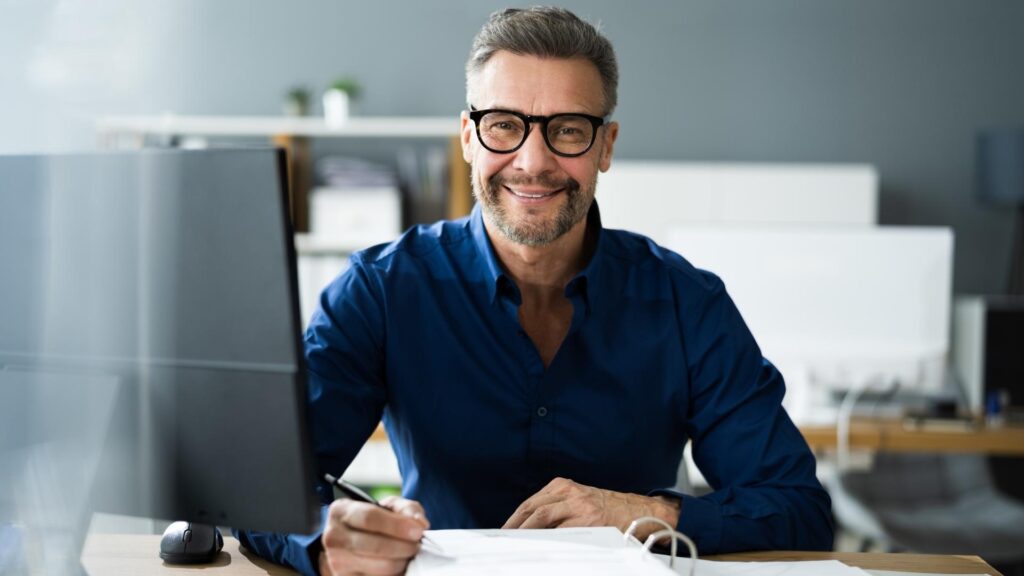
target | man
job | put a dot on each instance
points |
(533, 369)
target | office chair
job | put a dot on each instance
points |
(928, 503)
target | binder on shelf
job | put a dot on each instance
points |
(355, 218)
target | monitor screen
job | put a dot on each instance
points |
(150, 351)
(836, 308)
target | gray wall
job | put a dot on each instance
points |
(900, 84)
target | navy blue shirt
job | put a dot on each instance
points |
(425, 332)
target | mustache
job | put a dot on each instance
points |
(570, 184)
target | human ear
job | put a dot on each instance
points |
(611, 132)
(466, 136)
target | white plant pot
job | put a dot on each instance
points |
(336, 107)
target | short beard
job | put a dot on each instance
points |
(535, 233)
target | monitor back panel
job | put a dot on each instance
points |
(173, 273)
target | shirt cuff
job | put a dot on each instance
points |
(699, 518)
(308, 562)
(300, 552)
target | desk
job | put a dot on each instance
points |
(136, 555)
(889, 435)
(934, 563)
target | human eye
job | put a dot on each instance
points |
(502, 123)
(570, 129)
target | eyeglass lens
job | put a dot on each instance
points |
(566, 133)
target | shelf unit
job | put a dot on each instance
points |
(294, 135)
(375, 464)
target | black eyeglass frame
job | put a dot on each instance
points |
(528, 120)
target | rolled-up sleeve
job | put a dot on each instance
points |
(297, 551)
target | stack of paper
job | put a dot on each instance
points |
(802, 568)
(583, 551)
(562, 552)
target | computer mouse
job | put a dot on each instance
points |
(190, 543)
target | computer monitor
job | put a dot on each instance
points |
(150, 352)
(837, 308)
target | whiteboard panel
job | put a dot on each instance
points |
(846, 302)
(651, 197)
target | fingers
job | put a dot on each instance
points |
(344, 563)
(370, 518)
(365, 538)
(362, 538)
(558, 490)
(549, 516)
(410, 508)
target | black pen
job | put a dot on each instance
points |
(355, 493)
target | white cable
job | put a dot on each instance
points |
(845, 414)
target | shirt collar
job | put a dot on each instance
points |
(495, 276)
(585, 283)
(588, 282)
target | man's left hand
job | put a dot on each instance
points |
(564, 503)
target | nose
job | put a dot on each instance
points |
(534, 157)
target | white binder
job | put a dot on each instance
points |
(561, 551)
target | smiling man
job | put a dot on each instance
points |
(534, 369)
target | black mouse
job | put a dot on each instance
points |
(190, 543)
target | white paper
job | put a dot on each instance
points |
(583, 551)
(801, 568)
(558, 552)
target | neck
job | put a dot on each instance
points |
(542, 271)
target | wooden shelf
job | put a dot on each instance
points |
(890, 435)
(293, 134)
(269, 126)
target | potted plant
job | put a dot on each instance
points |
(337, 99)
(296, 101)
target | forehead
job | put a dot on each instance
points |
(536, 85)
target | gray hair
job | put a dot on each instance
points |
(546, 32)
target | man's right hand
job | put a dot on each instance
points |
(362, 538)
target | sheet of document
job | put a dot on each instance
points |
(582, 551)
(804, 568)
(558, 552)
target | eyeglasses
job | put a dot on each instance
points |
(504, 131)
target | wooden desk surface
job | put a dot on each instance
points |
(893, 436)
(933, 563)
(137, 555)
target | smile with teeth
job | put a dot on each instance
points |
(532, 195)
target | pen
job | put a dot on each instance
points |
(355, 493)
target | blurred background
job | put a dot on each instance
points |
(903, 86)
(902, 94)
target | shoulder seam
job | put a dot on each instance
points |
(396, 248)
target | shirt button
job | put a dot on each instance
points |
(542, 411)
